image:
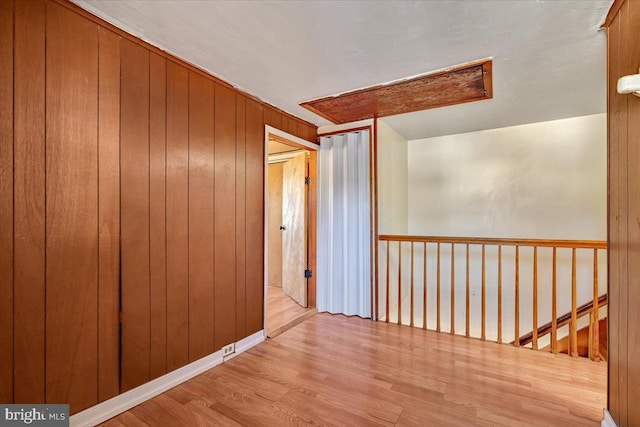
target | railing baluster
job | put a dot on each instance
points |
(468, 294)
(387, 288)
(500, 294)
(535, 298)
(574, 316)
(484, 295)
(453, 293)
(438, 292)
(399, 283)
(411, 323)
(554, 307)
(595, 345)
(516, 322)
(424, 289)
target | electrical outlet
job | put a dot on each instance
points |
(228, 349)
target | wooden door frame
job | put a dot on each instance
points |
(271, 133)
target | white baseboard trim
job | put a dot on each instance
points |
(125, 401)
(607, 420)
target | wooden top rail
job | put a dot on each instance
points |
(563, 320)
(551, 243)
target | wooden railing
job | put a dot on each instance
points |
(405, 285)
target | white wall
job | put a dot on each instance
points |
(541, 180)
(392, 181)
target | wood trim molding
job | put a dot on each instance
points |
(171, 57)
(338, 132)
(459, 84)
(613, 11)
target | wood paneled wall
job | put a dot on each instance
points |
(624, 216)
(131, 186)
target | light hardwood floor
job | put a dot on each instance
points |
(335, 370)
(284, 313)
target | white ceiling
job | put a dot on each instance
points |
(549, 57)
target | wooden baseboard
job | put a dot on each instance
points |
(125, 401)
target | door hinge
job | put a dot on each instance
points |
(307, 180)
(308, 274)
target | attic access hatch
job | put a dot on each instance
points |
(455, 85)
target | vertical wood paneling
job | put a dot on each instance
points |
(623, 213)
(177, 215)
(613, 37)
(157, 218)
(134, 160)
(108, 214)
(241, 214)
(71, 209)
(225, 216)
(126, 204)
(29, 208)
(6, 201)
(201, 303)
(255, 205)
(633, 159)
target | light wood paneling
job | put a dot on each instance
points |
(6, 200)
(108, 214)
(134, 181)
(201, 191)
(177, 216)
(255, 204)
(157, 214)
(29, 208)
(624, 209)
(274, 223)
(71, 209)
(461, 382)
(225, 216)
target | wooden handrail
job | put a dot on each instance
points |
(526, 289)
(563, 320)
(550, 243)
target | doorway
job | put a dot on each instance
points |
(290, 213)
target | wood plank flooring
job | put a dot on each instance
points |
(337, 370)
(284, 313)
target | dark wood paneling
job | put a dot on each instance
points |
(624, 211)
(6, 201)
(614, 220)
(456, 85)
(633, 190)
(134, 188)
(292, 126)
(254, 222)
(71, 209)
(177, 215)
(201, 302)
(157, 218)
(108, 214)
(225, 217)
(29, 208)
(241, 214)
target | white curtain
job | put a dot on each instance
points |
(344, 226)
